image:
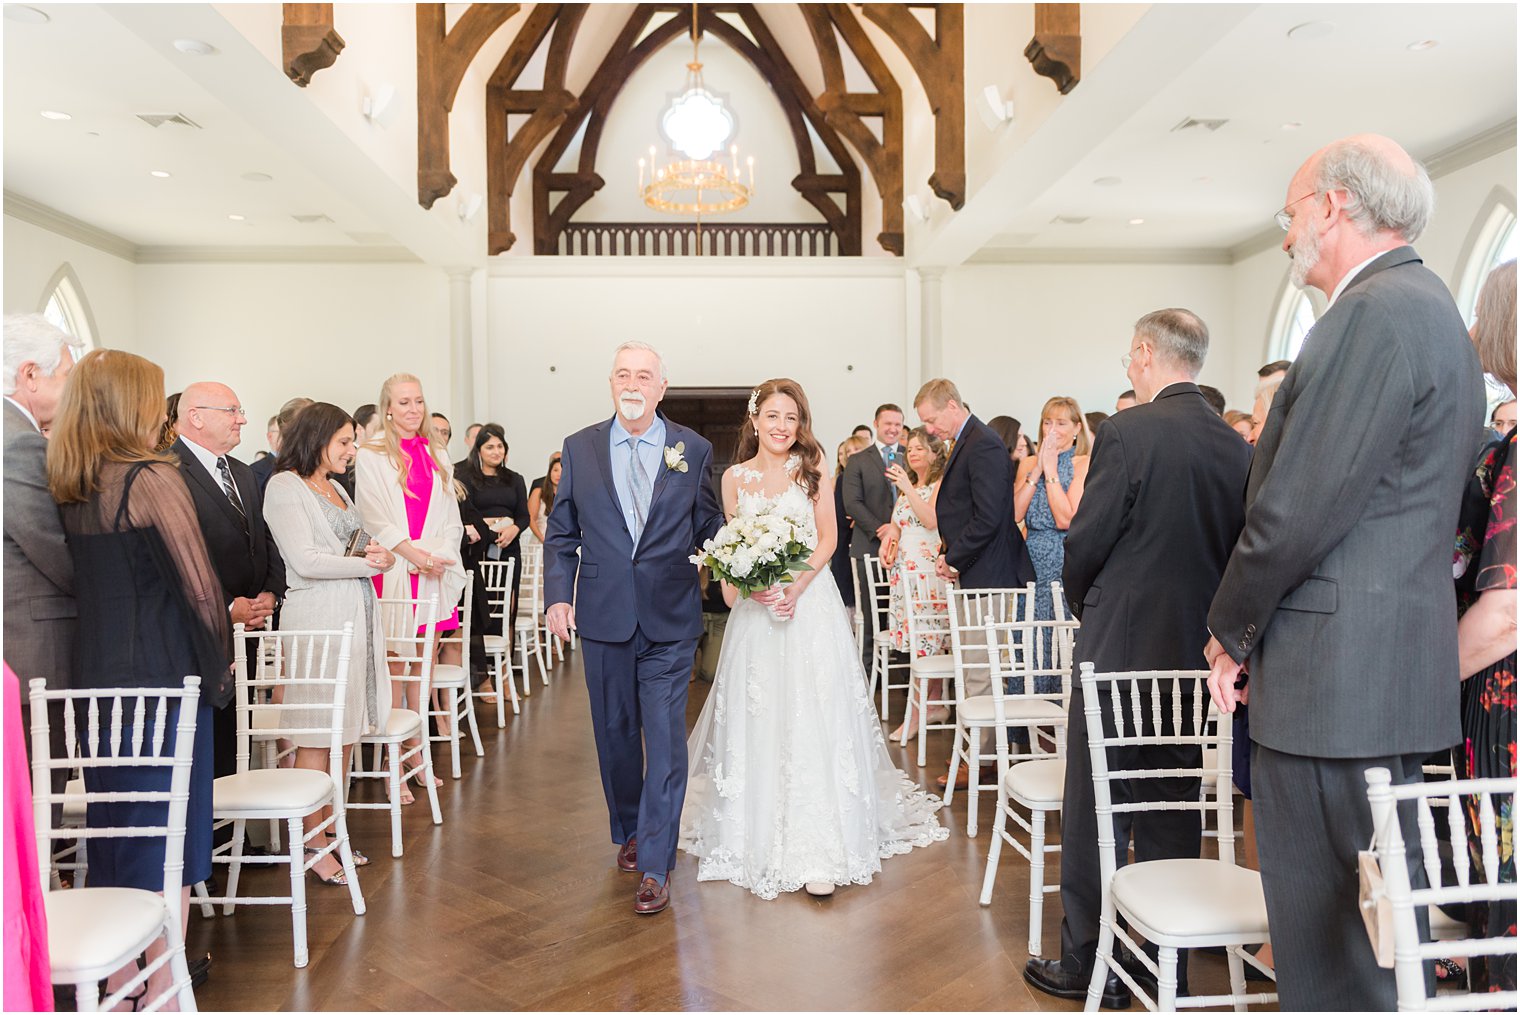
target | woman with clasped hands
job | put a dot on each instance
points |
(404, 486)
(312, 521)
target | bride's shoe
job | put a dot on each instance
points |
(821, 889)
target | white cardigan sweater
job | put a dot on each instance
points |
(382, 504)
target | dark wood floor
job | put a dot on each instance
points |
(515, 902)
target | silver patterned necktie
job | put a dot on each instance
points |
(228, 487)
(638, 480)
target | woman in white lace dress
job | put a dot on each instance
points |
(791, 785)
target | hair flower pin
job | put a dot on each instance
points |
(754, 402)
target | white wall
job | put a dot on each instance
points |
(33, 256)
(835, 327)
(332, 332)
(1017, 334)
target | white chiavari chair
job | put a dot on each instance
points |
(94, 932)
(1035, 784)
(857, 612)
(928, 622)
(496, 576)
(411, 642)
(970, 609)
(1179, 903)
(529, 633)
(878, 603)
(312, 667)
(451, 684)
(1456, 802)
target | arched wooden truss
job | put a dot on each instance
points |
(841, 118)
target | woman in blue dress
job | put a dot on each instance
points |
(1047, 490)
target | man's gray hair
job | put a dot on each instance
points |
(1382, 193)
(640, 347)
(1179, 337)
(31, 338)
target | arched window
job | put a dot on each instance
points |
(1493, 240)
(1296, 313)
(64, 307)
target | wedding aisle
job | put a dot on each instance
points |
(515, 903)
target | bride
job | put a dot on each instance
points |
(791, 785)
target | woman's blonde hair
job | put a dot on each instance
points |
(386, 440)
(850, 445)
(938, 449)
(1494, 326)
(110, 411)
(1069, 407)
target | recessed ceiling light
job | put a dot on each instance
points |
(1137, 222)
(92, 133)
(161, 174)
(1311, 30)
(26, 15)
(1108, 181)
(1422, 45)
(1203, 179)
(53, 114)
(1291, 125)
(257, 177)
(237, 218)
(195, 47)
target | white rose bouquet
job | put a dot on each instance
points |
(756, 551)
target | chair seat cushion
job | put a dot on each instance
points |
(979, 709)
(495, 644)
(1039, 784)
(933, 666)
(882, 638)
(92, 931)
(527, 624)
(403, 723)
(1171, 900)
(270, 790)
(448, 675)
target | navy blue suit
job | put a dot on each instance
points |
(639, 614)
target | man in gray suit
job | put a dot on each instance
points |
(38, 571)
(1337, 599)
(868, 498)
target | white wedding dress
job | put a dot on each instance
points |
(790, 779)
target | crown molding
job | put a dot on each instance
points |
(1480, 146)
(1100, 255)
(276, 255)
(55, 221)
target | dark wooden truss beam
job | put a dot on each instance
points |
(308, 42)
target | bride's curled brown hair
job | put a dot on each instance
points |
(806, 445)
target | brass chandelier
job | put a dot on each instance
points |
(696, 123)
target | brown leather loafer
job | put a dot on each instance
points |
(652, 897)
(628, 856)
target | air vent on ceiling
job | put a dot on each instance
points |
(159, 119)
(1069, 220)
(307, 220)
(1207, 123)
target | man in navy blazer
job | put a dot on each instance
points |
(635, 501)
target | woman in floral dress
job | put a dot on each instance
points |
(913, 553)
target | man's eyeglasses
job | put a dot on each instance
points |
(1283, 218)
(1129, 357)
(236, 410)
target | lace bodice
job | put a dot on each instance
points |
(793, 501)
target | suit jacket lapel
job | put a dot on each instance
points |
(955, 452)
(191, 466)
(604, 461)
(673, 435)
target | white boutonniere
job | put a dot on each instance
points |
(675, 459)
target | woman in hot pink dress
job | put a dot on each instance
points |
(404, 489)
(28, 986)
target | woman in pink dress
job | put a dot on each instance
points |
(28, 984)
(404, 489)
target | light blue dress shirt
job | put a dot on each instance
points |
(651, 451)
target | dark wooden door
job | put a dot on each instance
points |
(715, 413)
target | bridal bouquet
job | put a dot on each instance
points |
(756, 551)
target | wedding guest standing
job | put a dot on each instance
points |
(912, 552)
(839, 564)
(1486, 630)
(1009, 430)
(541, 499)
(312, 520)
(1353, 496)
(38, 572)
(141, 568)
(1049, 489)
(983, 548)
(406, 500)
(868, 499)
(230, 510)
(265, 467)
(496, 503)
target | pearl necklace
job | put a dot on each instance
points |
(324, 494)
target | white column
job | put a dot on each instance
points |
(931, 334)
(461, 409)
